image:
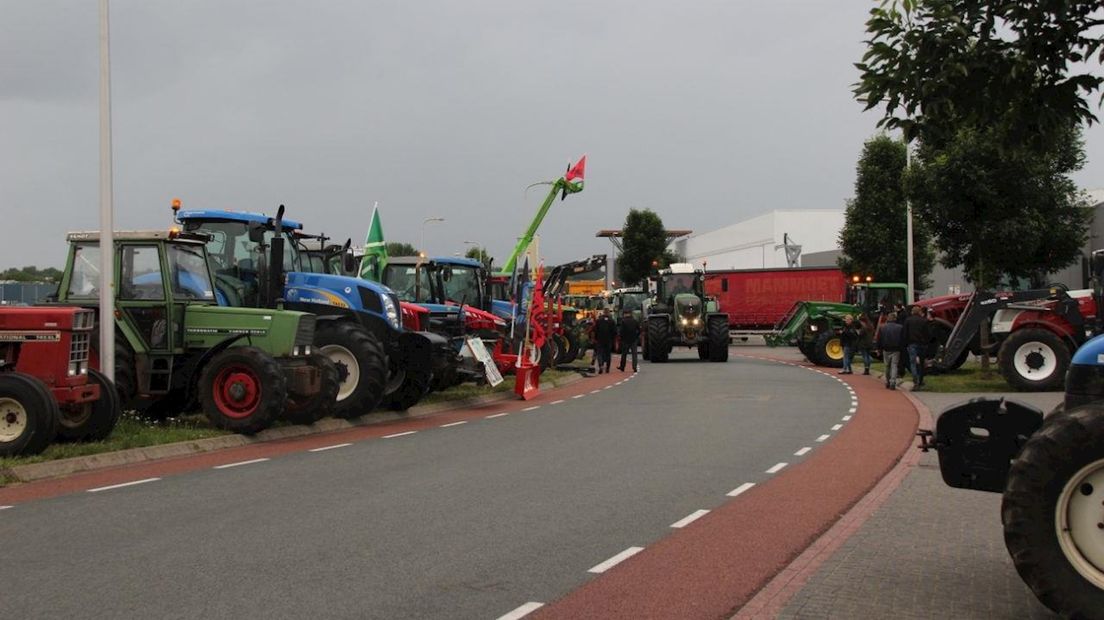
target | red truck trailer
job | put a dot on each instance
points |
(756, 299)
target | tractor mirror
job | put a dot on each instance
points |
(256, 233)
(350, 262)
(1097, 263)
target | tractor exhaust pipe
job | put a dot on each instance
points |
(276, 260)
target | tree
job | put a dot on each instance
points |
(395, 248)
(31, 274)
(1008, 64)
(480, 254)
(874, 235)
(1003, 215)
(643, 241)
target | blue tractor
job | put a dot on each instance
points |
(1050, 472)
(256, 263)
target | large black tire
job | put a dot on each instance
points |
(573, 349)
(547, 354)
(1051, 512)
(28, 415)
(242, 389)
(806, 350)
(1034, 360)
(443, 380)
(658, 330)
(415, 385)
(92, 421)
(703, 351)
(310, 409)
(562, 349)
(361, 365)
(717, 331)
(828, 351)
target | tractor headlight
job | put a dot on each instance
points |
(697, 321)
(391, 310)
(685, 322)
(812, 328)
(78, 368)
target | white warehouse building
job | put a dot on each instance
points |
(758, 243)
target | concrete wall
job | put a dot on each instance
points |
(751, 244)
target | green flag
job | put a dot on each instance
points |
(375, 250)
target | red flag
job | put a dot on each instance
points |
(576, 173)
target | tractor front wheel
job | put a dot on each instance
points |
(92, 421)
(718, 338)
(658, 331)
(310, 409)
(361, 365)
(242, 390)
(828, 351)
(1051, 511)
(1034, 360)
(415, 385)
(28, 415)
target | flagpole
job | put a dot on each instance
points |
(107, 207)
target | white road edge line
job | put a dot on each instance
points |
(229, 465)
(4, 507)
(615, 560)
(398, 435)
(740, 489)
(533, 408)
(578, 396)
(607, 387)
(497, 415)
(836, 427)
(522, 611)
(777, 468)
(823, 437)
(333, 447)
(454, 423)
(803, 451)
(125, 484)
(846, 418)
(556, 402)
(595, 391)
(852, 410)
(687, 520)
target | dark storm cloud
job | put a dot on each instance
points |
(707, 112)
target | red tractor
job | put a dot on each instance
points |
(47, 390)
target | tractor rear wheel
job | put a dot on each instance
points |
(242, 390)
(28, 415)
(717, 329)
(573, 351)
(828, 351)
(1034, 360)
(310, 409)
(414, 386)
(361, 365)
(92, 421)
(658, 330)
(1051, 512)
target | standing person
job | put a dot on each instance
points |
(604, 333)
(849, 337)
(916, 338)
(890, 340)
(630, 335)
(865, 342)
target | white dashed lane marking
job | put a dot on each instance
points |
(454, 423)
(836, 427)
(846, 418)
(615, 560)
(578, 396)
(740, 489)
(399, 435)
(533, 408)
(240, 463)
(823, 437)
(522, 611)
(802, 452)
(497, 415)
(125, 484)
(556, 402)
(323, 449)
(687, 520)
(776, 468)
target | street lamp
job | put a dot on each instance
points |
(421, 245)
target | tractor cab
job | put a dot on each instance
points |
(872, 297)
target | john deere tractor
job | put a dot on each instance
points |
(681, 315)
(175, 345)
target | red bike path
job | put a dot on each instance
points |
(713, 567)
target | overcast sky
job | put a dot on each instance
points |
(706, 112)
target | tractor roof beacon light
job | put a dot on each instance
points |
(869, 279)
(855, 278)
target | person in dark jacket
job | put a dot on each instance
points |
(849, 337)
(629, 333)
(889, 341)
(604, 333)
(865, 342)
(916, 337)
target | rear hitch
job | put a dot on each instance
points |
(927, 440)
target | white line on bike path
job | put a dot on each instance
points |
(615, 560)
(240, 463)
(522, 611)
(333, 447)
(125, 484)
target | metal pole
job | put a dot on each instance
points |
(107, 237)
(908, 210)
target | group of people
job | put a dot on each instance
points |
(902, 332)
(604, 332)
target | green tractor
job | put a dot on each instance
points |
(813, 326)
(680, 314)
(175, 345)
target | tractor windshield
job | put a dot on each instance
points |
(678, 283)
(410, 282)
(240, 264)
(462, 285)
(188, 273)
(85, 278)
(632, 301)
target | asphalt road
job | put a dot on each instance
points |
(465, 521)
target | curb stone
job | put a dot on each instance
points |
(80, 464)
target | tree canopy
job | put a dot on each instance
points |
(874, 234)
(396, 248)
(478, 253)
(644, 240)
(31, 274)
